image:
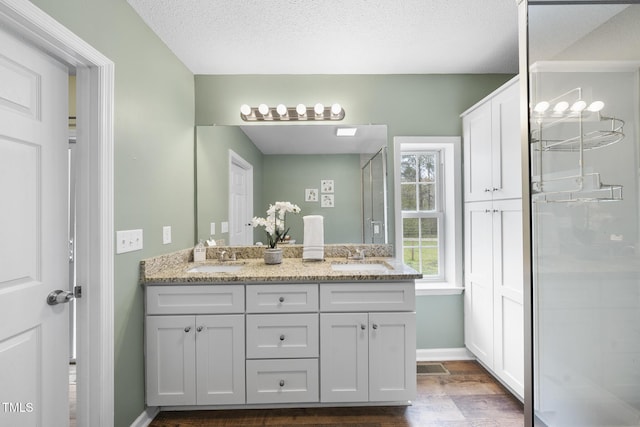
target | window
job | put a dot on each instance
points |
(428, 192)
(422, 211)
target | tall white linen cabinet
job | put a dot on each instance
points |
(493, 296)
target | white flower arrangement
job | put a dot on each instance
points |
(275, 222)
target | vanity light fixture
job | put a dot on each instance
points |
(346, 131)
(283, 113)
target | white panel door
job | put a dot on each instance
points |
(392, 356)
(240, 202)
(344, 363)
(478, 294)
(477, 154)
(170, 360)
(508, 293)
(34, 336)
(506, 158)
(220, 359)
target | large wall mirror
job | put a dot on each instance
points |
(584, 94)
(240, 170)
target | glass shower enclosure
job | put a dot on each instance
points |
(374, 198)
(584, 97)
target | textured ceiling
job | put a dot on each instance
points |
(337, 36)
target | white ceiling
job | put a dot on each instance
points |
(316, 139)
(337, 36)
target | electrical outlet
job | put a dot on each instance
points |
(224, 227)
(166, 234)
(213, 229)
(128, 241)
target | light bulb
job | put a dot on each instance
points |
(336, 109)
(318, 109)
(560, 107)
(245, 110)
(541, 107)
(301, 109)
(596, 106)
(263, 109)
(281, 109)
(578, 106)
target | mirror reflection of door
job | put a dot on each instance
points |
(240, 200)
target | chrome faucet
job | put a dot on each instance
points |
(222, 256)
(359, 255)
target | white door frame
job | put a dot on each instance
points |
(94, 240)
(235, 159)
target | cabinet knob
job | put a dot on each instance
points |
(495, 189)
(363, 326)
(375, 326)
(487, 211)
(199, 328)
(281, 299)
(281, 383)
(187, 329)
(487, 190)
(282, 337)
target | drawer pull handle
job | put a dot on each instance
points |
(375, 326)
(200, 328)
(281, 383)
(187, 329)
(281, 299)
(363, 326)
(282, 337)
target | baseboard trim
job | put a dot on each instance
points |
(442, 354)
(145, 418)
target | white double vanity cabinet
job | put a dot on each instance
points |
(252, 344)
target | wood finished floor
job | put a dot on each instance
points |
(467, 396)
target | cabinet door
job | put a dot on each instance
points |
(392, 356)
(477, 154)
(171, 360)
(505, 150)
(478, 293)
(220, 359)
(344, 363)
(508, 294)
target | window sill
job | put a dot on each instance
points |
(437, 288)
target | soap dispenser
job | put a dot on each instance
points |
(199, 252)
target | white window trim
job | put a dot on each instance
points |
(451, 146)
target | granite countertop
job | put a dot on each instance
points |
(172, 268)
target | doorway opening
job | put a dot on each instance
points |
(240, 200)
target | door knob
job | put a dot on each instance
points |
(59, 297)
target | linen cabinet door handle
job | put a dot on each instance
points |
(200, 328)
(187, 329)
(375, 326)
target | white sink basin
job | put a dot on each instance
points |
(229, 268)
(360, 266)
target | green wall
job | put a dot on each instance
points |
(154, 133)
(287, 176)
(212, 164)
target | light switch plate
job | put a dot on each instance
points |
(166, 234)
(224, 227)
(213, 229)
(128, 241)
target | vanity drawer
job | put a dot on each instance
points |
(386, 296)
(185, 299)
(282, 381)
(282, 298)
(278, 336)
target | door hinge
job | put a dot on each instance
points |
(77, 291)
(71, 251)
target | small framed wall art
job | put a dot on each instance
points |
(311, 195)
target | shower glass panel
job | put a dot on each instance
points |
(584, 96)
(374, 198)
